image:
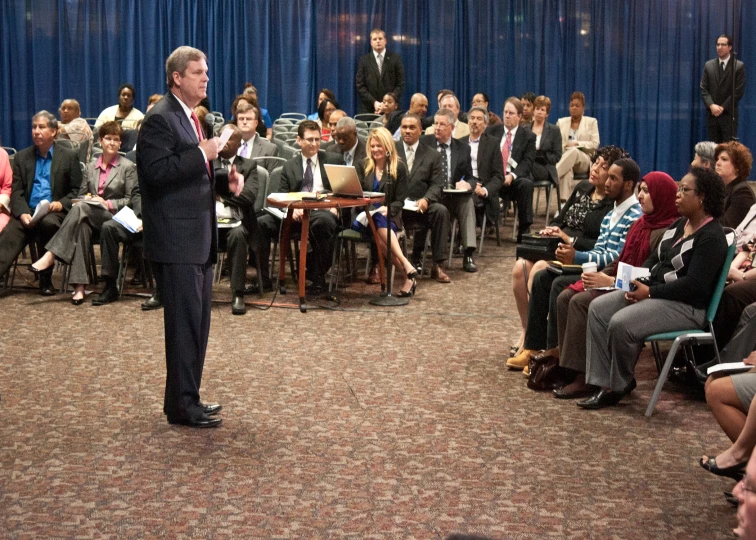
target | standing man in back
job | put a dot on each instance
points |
(180, 236)
(379, 72)
(716, 91)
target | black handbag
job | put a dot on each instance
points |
(535, 247)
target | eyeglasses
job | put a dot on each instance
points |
(685, 189)
(312, 140)
(115, 140)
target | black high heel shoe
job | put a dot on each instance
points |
(411, 292)
(37, 272)
(735, 472)
(77, 301)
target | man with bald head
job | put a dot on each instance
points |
(346, 143)
(234, 209)
(418, 106)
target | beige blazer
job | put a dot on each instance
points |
(587, 133)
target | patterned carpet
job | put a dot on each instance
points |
(352, 421)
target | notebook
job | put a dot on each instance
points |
(344, 182)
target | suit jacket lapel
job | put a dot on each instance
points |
(54, 166)
(453, 164)
(114, 172)
(183, 120)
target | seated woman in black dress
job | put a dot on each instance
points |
(380, 161)
(109, 184)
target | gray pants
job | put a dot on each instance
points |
(73, 241)
(617, 329)
(743, 340)
(461, 206)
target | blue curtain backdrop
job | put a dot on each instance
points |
(638, 63)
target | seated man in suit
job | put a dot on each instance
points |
(517, 146)
(305, 172)
(481, 100)
(580, 139)
(418, 106)
(458, 174)
(237, 209)
(40, 172)
(347, 144)
(252, 144)
(450, 102)
(426, 184)
(487, 165)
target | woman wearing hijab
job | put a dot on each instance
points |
(656, 194)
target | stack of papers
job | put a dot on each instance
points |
(128, 219)
(43, 208)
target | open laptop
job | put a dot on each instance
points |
(344, 182)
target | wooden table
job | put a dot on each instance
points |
(308, 206)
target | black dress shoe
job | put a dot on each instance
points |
(317, 287)
(201, 421)
(153, 302)
(237, 305)
(601, 399)
(574, 393)
(109, 294)
(468, 265)
(255, 289)
(211, 408)
(46, 288)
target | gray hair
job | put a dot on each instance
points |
(52, 122)
(179, 60)
(448, 114)
(705, 150)
(479, 109)
(347, 124)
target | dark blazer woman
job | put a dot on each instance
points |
(400, 193)
(548, 154)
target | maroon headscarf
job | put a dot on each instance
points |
(663, 192)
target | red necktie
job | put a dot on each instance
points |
(506, 149)
(201, 137)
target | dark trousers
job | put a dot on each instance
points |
(322, 233)
(237, 250)
(186, 292)
(14, 237)
(542, 330)
(521, 192)
(112, 235)
(437, 219)
(721, 128)
(735, 298)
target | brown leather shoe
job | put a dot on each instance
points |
(437, 273)
(374, 276)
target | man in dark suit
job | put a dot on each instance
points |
(253, 146)
(517, 147)
(305, 172)
(486, 161)
(378, 73)
(716, 91)
(40, 172)
(426, 184)
(347, 144)
(458, 174)
(237, 209)
(180, 238)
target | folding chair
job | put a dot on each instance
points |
(692, 336)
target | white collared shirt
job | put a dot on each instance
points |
(317, 181)
(474, 145)
(351, 153)
(620, 210)
(726, 61)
